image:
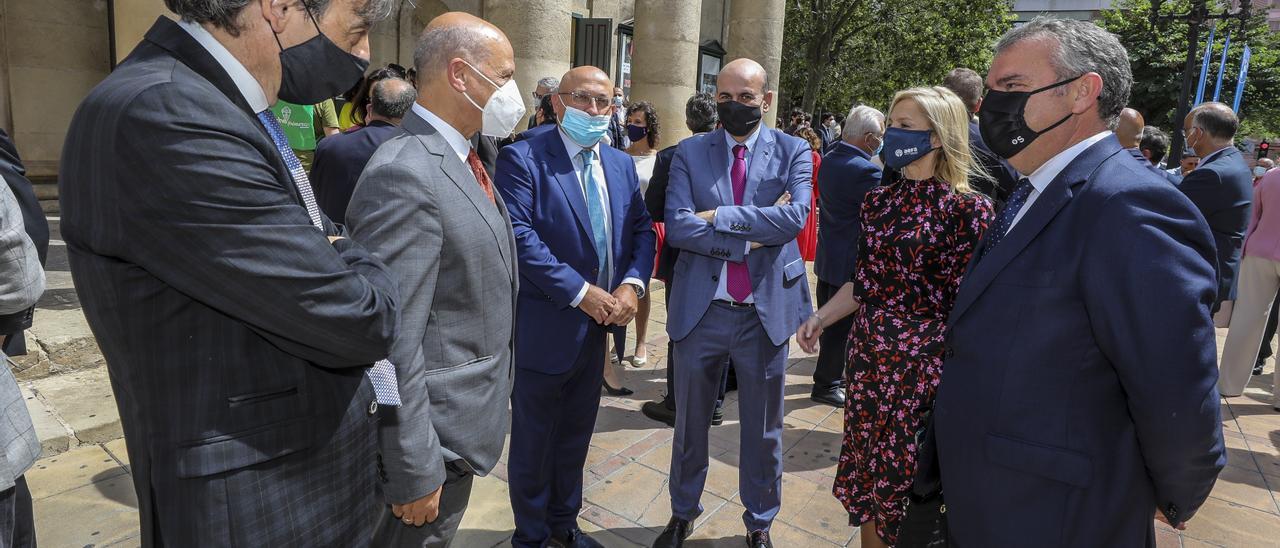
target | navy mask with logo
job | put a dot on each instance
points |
(904, 146)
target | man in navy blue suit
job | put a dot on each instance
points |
(341, 158)
(586, 247)
(1220, 186)
(1078, 394)
(847, 174)
(742, 293)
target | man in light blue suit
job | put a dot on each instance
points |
(586, 247)
(737, 199)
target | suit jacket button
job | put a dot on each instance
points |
(373, 407)
(715, 278)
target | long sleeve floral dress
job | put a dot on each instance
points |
(917, 237)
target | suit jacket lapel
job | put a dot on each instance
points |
(619, 194)
(169, 36)
(1055, 196)
(718, 159)
(561, 167)
(761, 155)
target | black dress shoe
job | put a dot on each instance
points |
(833, 396)
(673, 536)
(1257, 368)
(616, 392)
(573, 538)
(759, 539)
(658, 411)
(717, 416)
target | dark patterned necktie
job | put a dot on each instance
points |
(1010, 212)
(383, 374)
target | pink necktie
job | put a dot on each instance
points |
(739, 282)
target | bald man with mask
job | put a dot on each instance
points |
(1129, 132)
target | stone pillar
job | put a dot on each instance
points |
(133, 18)
(664, 67)
(755, 32)
(541, 33)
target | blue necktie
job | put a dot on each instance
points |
(1011, 208)
(595, 210)
(383, 374)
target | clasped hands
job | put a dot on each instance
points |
(617, 308)
(710, 215)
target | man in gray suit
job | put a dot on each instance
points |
(426, 207)
(21, 284)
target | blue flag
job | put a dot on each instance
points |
(1222, 67)
(1244, 72)
(1204, 67)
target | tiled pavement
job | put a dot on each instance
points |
(84, 497)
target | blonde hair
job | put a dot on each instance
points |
(949, 120)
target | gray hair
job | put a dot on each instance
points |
(1217, 120)
(1080, 48)
(441, 44)
(862, 120)
(392, 97)
(551, 82)
(225, 14)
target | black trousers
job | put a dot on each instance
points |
(833, 343)
(17, 519)
(1269, 333)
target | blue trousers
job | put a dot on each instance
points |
(552, 419)
(737, 335)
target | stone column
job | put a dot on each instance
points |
(664, 67)
(541, 33)
(755, 32)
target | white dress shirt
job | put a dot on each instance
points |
(460, 145)
(722, 288)
(248, 85)
(597, 173)
(1049, 171)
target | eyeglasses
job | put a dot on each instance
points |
(583, 99)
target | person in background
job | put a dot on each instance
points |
(644, 132)
(829, 131)
(1260, 168)
(1259, 283)
(1222, 189)
(967, 85)
(808, 238)
(305, 125)
(902, 291)
(1129, 131)
(341, 158)
(1153, 146)
(1264, 349)
(1077, 399)
(742, 292)
(12, 340)
(585, 245)
(617, 135)
(546, 88)
(700, 117)
(239, 339)
(545, 116)
(21, 285)
(795, 121)
(352, 114)
(844, 182)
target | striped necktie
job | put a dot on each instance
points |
(382, 374)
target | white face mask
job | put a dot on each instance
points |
(1259, 171)
(503, 111)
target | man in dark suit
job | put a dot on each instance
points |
(967, 84)
(1153, 147)
(12, 340)
(1220, 186)
(1077, 396)
(1129, 131)
(340, 158)
(586, 246)
(846, 176)
(238, 323)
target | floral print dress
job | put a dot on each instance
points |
(917, 237)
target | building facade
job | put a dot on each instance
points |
(52, 52)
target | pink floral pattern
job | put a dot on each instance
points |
(917, 238)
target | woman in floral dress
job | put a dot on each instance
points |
(918, 234)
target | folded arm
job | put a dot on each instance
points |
(687, 231)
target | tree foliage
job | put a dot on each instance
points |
(837, 53)
(1158, 56)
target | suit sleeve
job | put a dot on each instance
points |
(685, 230)
(397, 216)
(21, 277)
(1160, 274)
(34, 222)
(774, 225)
(222, 229)
(537, 265)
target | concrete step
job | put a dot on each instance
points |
(73, 409)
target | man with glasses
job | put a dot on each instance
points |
(546, 86)
(586, 247)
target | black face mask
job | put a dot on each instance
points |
(738, 119)
(1003, 123)
(317, 70)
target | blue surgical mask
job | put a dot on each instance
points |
(880, 148)
(902, 147)
(584, 129)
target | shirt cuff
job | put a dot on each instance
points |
(639, 285)
(748, 248)
(581, 295)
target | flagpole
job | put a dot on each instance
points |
(1222, 66)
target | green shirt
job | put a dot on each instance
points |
(298, 122)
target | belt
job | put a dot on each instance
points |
(733, 304)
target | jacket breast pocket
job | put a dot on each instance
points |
(769, 191)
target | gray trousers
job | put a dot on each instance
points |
(392, 532)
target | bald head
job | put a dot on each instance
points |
(458, 35)
(578, 76)
(744, 71)
(1129, 128)
(585, 88)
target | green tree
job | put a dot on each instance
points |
(1158, 56)
(840, 52)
